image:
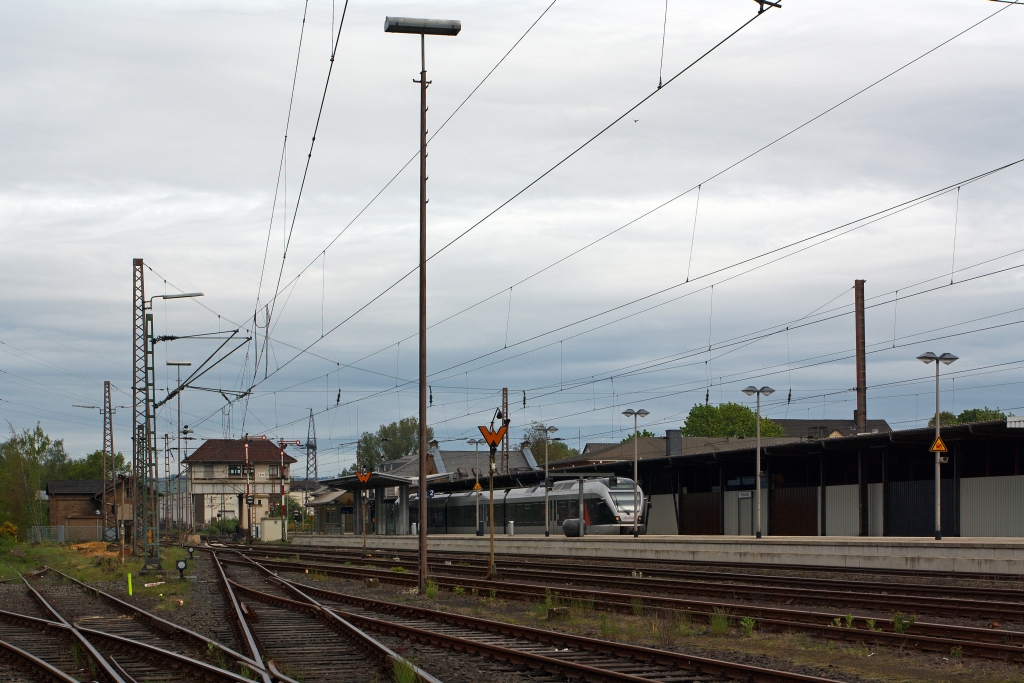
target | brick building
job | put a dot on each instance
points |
(79, 503)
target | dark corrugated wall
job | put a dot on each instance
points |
(794, 511)
(910, 508)
(700, 513)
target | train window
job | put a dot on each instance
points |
(562, 511)
(599, 512)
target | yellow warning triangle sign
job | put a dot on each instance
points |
(478, 487)
(939, 446)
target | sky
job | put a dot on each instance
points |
(675, 259)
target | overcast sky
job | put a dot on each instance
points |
(155, 130)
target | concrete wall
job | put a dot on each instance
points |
(842, 510)
(876, 510)
(991, 506)
(663, 515)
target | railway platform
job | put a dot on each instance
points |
(954, 555)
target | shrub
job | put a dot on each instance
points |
(8, 530)
(719, 621)
(748, 623)
(902, 624)
(459, 590)
(849, 620)
(431, 589)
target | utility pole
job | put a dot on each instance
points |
(312, 471)
(504, 441)
(860, 415)
(167, 484)
(146, 523)
(108, 452)
(281, 445)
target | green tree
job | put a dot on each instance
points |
(389, 442)
(970, 415)
(727, 419)
(642, 433)
(27, 461)
(536, 438)
(91, 467)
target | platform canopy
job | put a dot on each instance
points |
(377, 480)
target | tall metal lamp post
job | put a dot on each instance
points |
(547, 518)
(636, 469)
(423, 27)
(937, 446)
(763, 391)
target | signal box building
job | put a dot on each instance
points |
(218, 480)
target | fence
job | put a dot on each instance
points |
(65, 534)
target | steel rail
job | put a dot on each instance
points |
(109, 671)
(929, 637)
(134, 647)
(161, 624)
(310, 606)
(925, 573)
(635, 652)
(625, 566)
(120, 643)
(243, 626)
(887, 602)
(52, 673)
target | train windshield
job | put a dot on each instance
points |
(624, 499)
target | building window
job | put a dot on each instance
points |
(273, 470)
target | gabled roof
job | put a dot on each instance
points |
(646, 447)
(233, 450)
(74, 487)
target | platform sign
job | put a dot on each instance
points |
(493, 439)
(939, 446)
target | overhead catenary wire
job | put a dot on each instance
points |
(681, 194)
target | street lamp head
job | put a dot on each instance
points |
(948, 358)
(183, 295)
(750, 391)
(642, 413)
(629, 412)
(431, 27)
(767, 391)
(551, 430)
(927, 357)
(180, 363)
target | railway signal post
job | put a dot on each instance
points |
(493, 439)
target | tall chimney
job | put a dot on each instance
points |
(860, 415)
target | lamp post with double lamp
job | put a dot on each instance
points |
(945, 359)
(763, 391)
(282, 445)
(636, 469)
(547, 487)
(423, 27)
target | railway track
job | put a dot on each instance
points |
(930, 637)
(546, 651)
(983, 604)
(303, 640)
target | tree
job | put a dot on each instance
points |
(27, 461)
(727, 419)
(970, 415)
(642, 433)
(389, 442)
(535, 438)
(91, 467)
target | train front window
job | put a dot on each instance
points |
(624, 500)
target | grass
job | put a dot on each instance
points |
(609, 626)
(718, 620)
(399, 570)
(459, 590)
(431, 589)
(747, 624)
(88, 562)
(638, 606)
(403, 670)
